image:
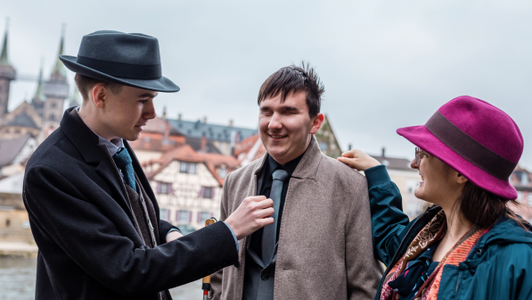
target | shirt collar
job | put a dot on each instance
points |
(289, 167)
(113, 146)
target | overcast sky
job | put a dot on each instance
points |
(384, 64)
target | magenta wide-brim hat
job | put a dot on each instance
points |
(476, 139)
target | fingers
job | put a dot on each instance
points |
(253, 213)
(357, 159)
(348, 161)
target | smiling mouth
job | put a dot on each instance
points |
(277, 136)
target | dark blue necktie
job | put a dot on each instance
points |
(269, 233)
(125, 164)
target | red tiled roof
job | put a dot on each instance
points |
(186, 153)
(156, 142)
(247, 151)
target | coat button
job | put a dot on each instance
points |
(264, 276)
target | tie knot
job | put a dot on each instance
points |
(280, 174)
(122, 158)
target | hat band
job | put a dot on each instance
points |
(469, 148)
(122, 70)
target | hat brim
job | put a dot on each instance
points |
(162, 84)
(424, 139)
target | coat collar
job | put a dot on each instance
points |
(82, 137)
(307, 166)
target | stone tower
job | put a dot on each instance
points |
(39, 99)
(55, 91)
(7, 74)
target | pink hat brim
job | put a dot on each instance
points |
(424, 139)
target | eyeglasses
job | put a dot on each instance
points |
(419, 155)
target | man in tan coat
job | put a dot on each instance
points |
(320, 246)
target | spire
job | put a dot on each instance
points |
(3, 56)
(59, 71)
(39, 95)
(75, 99)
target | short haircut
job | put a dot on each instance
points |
(86, 83)
(294, 79)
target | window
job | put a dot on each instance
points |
(164, 188)
(520, 197)
(524, 178)
(183, 216)
(529, 199)
(204, 215)
(411, 185)
(187, 167)
(207, 192)
(222, 171)
(165, 214)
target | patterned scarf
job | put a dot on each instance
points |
(431, 233)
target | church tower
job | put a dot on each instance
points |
(55, 92)
(38, 98)
(7, 74)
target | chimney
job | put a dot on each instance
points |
(349, 147)
(164, 113)
(166, 136)
(204, 120)
(179, 117)
(230, 122)
(203, 143)
(383, 151)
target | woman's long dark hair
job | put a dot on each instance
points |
(483, 208)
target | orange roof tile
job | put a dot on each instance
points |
(186, 153)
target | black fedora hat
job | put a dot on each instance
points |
(126, 58)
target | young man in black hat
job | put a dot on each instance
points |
(92, 211)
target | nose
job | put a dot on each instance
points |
(149, 110)
(275, 122)
(413, 164)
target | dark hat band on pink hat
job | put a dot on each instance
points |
(468, 148)
(475, 138)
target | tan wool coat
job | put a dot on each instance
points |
(325, 243)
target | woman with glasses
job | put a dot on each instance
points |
(469, 244)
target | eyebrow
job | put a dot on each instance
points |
(289, 108)
(283, 108)
(148, 94)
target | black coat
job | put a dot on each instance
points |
(82, 224)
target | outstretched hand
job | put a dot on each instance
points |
(252, 214)
(358, 160)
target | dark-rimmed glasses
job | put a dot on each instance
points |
(419, 155)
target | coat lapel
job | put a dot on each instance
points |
(308, 166)
(86, 142)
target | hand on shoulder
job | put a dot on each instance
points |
(358, 160)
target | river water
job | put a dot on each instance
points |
(17, 281)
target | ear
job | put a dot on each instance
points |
(316, 123)
(98, 95)
(461, 179)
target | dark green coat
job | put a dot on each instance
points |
(498, 267)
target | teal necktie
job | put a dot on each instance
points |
(125, 165)
(269, 232)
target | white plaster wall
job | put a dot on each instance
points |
(186, 192)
